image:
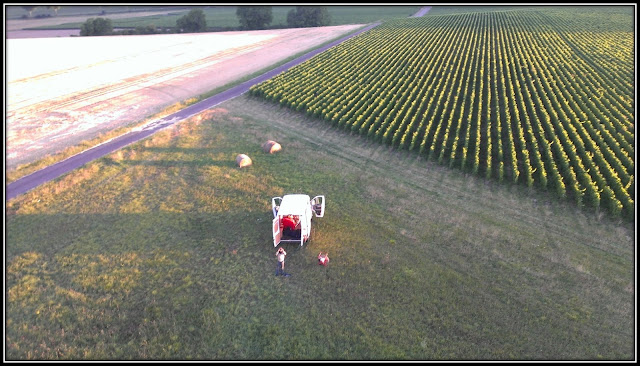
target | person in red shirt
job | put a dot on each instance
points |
(323, 259)
(289, 222)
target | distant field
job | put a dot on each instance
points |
(225, 17)
(18, 12)
(540, 96)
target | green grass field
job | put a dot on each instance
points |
(224, 17)
(19, 12)
(163, 250)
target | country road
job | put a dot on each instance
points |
(56, 170)
(51, 172)
(422, 12)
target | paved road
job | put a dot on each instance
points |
(422, 12)
(51, 172)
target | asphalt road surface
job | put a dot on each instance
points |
(54, 171)
(422, 12)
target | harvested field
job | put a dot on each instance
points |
(91, 85)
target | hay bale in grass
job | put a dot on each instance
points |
(271, 147)
(243, 160)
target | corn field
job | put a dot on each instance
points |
(542, 97)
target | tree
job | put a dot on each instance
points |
(148, 29)
(194, 21)
(308, 16)
(96, 27)
(55, 9)
(30, 9)
(254, 17)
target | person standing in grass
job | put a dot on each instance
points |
(280, 254)
(323, 259)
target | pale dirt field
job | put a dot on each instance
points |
(61, 91)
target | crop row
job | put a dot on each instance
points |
(513, 95)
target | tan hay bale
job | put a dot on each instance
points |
(243, 160)
(271, 147)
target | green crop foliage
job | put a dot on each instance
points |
(540, 93)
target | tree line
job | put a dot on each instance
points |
(250, 18)
(30, 9)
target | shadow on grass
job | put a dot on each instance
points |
(201, 285)
(180, 163)
(196, 151)
(187, 157)
(154, 285)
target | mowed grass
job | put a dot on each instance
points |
(163, 250)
